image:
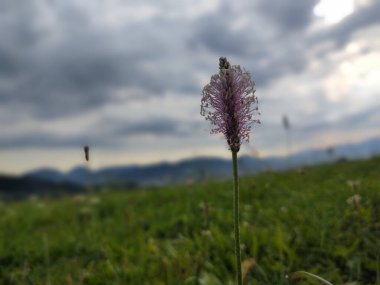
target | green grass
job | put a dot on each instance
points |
(290, 221)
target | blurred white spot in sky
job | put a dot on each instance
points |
(333, 11)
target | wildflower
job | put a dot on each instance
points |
(229, 103)
(86, 149)
(354, 185)
(286, 124)
(354, 201)
(94, 200)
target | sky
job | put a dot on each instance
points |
(126, 77)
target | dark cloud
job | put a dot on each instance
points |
(77, 64)
(350, 122)
(268, 55)
(159, 127)
(214, 32)
(46, 140)
(288, 15)
(8, 64)
(288, 61)
(109, 134)
(60, 61)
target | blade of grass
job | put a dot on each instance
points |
(312, 275)
(378, 270)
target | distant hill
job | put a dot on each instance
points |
(23, 187)
(48, 174)
(51, 182)
(155, 174)
(201, 168)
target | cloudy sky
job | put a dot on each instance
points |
(125, 76)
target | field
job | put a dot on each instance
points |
(308, 219)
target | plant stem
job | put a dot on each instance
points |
(236, 217)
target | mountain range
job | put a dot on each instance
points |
(201, 168)
(52, 182)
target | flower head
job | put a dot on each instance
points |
(86, 149)
(229, 103)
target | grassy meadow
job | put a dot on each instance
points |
(306, 219)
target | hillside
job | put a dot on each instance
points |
(306, 219)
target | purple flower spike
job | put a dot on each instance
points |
(229, 103)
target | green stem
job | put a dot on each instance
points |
(236, 217)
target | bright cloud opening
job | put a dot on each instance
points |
(333, 12)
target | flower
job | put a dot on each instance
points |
(229, 103)
(86, 149)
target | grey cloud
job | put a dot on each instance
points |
(46, 140)
(17, 19)
(291, 61)
(55, 61)
(287, 48)
(354, 121)
(72, 63)
(288, 15)
(110, 133)
(267, 55)
(213, 32)
(274, 134)
(8, 65)
(77, 64)
(41, 139)
(159, 127)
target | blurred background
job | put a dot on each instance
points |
(125, 77)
